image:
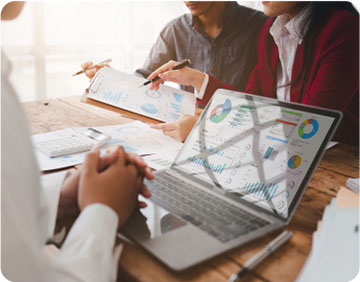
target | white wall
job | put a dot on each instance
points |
(50, 39)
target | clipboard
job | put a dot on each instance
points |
(119, 92)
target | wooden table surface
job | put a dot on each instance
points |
(338, 163)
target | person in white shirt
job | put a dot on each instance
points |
(104, 192)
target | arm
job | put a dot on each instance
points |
(336, 80)
(87, 254)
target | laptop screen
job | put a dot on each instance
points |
(256, 149)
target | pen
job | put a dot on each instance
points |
(92, 67)
(263, 254)
(180, 65)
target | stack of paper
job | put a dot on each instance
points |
(335, 251)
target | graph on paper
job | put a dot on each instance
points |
(122, 90)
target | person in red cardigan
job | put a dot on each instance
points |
(308, 52)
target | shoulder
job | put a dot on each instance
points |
(342, 21)
(341, 26)
(178, 23)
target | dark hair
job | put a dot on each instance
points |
(309, 28)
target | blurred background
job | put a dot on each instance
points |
(49, 40)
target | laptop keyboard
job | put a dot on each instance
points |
(213, 215)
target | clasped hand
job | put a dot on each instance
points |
(114, 180)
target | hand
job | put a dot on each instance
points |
(68, 196)
(185, 76)
(117, 186)
(90, 73)
(179, 129)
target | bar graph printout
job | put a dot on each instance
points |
(122, 90)
(254, 150)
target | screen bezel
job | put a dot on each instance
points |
(336, 115)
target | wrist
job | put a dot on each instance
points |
(198, 80)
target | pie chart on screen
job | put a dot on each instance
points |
(308, 128)
(294, 161)
(220, 112)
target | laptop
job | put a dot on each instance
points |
(240, 175)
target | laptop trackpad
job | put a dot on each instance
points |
(151, 222)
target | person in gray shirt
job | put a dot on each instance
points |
(220, 38)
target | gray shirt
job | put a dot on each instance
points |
(230, 57)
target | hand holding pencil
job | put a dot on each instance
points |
(90, 69)
(171, 71)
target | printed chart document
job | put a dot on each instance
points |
(122, 90)
(135, 137)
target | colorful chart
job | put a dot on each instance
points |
(220, 112)
(303, 130)
(153, 94)
(294, 161)
(149, 108)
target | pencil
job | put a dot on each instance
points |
(180, 65)
(92, 67)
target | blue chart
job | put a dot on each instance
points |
(112, 98)
(178, 97)
(176, 107)
(261, 190)
(153, 94)
(149, 108)
(219, 168)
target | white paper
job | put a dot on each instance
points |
(161, 160)
(331, 144)
(335, 252)
(122, 90)
(135, 137)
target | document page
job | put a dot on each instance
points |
(123, 91)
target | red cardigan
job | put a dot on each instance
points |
(333, 79)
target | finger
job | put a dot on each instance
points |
(141, 204)
(156, 126)
(86, 64)
(110, 158)
(145, 191)
(91, 163)
(134, 176)
(169, 65)
(121, 160)
(135, 159)
(148, 173)
(91, 73)
(169, 126)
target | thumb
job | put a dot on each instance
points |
(91, 163)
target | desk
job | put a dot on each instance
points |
(339, 163)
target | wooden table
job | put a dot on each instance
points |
(339, 163)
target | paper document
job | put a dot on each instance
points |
(335, 250)
(161, 160)
(122, 90)
(135, 137)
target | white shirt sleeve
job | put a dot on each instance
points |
(88, 253)
(51, 186)
(201, 93)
